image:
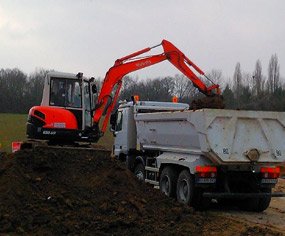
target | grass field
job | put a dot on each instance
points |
(13, 128)
(107, 140)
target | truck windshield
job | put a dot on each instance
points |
(65, 93)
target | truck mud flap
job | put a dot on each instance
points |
(241, 195)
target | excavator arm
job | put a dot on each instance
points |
(130, 63)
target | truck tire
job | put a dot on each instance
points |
(140, 171)
(167, 181)
(185, 188)
(256, 204)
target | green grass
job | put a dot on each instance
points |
(107, 140)
(13, 128)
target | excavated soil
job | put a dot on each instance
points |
(49, 192)
(216, 102)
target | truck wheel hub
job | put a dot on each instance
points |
(139, 175)
(183, 190)
(165, 185)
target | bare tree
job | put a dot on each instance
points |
(273, 81)
(248, 81)
(183, 87)
(216, 77)
(258, 81)
(12, 93)
(237, 86)
(34, 87)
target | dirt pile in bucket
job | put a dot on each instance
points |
(216, 102)
(49, 192)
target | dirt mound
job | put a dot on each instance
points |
(62, 192)
(216, 102)
(69, 192)
(280, 186)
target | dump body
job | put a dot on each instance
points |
(223, 136)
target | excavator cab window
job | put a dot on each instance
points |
(94, 88)
(87, 104)
(65, 93)
(73, 94)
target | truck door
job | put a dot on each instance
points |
(120, 134)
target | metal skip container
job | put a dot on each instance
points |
(224, 136)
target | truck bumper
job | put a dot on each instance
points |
(242, 195)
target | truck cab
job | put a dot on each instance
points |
(123, 125)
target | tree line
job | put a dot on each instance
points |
(19, 91)
(257, 90)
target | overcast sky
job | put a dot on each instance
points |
(88, 35)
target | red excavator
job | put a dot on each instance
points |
(69, 111)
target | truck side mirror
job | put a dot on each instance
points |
(94, 88)
(113, 120)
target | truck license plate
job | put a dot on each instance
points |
(269, 181)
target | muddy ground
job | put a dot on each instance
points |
(63, 192)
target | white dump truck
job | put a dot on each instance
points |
(197, 156)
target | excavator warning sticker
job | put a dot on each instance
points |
(59, 125)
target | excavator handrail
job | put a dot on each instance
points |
(130, 63)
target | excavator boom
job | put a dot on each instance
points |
(65, 114)
(130, 63)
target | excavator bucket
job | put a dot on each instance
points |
(216, 102)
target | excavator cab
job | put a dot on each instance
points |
(66, 110)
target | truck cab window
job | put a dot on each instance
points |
(119, 123)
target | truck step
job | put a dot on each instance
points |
(156, 183)
(153, 169)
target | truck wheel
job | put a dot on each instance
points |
(185, 188)
(256, 204)
(167, 181)
(140, 171)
